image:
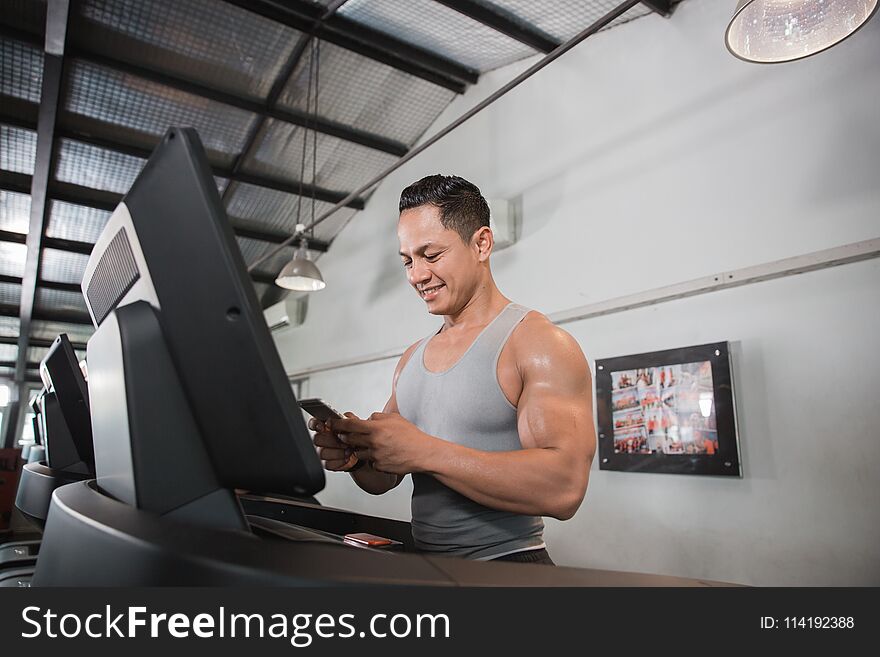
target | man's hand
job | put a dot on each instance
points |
(389, 442)
(334, 454)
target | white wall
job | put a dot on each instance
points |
(645, 157)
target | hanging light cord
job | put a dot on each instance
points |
(317, 58)
(305, 143)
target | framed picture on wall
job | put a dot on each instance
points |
(668, 411)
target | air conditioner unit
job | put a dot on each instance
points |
(290, 311)
(504, 220)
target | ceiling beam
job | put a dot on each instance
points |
(87, 197)
(13, 237)
(287, 115)
(99, 199)
(44, 162)
(107, 201)
(505, 22)
(11, 364)
(12, 181)
(47, 285)
(32, 377)
(63, 287)
(70, 246)
(41, 343)
(49, 315)
(98, 137)
(316, 245)
(288, 187)
(365, 41)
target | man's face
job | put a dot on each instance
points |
(443, 269)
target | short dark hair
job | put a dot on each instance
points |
(462, 206)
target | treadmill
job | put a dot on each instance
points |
(63, 431)
(189, 401)
(63, 427)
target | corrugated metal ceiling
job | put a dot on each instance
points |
(238, 72)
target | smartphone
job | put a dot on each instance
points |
(362, 539)
(320, 409)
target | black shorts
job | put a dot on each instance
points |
(528, 556)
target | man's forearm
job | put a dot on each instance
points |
(538, 481)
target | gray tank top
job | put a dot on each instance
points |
(465, 405)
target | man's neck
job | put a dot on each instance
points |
(481, 309)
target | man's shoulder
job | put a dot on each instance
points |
(537, 336)
(537, 326)
(410, 349)
(404, 358)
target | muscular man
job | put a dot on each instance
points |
(491, 414)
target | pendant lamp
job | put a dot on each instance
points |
(773, 31)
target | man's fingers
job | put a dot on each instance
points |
(343, 464)
(327, 440)
(356, 439)
(334, 453)
(349, 425)
(336, 464)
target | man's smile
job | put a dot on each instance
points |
(428, 293)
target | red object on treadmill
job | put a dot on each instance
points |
(367, 540)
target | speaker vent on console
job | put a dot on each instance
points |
(114, 275)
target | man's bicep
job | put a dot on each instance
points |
(556, 408)
(556, 419)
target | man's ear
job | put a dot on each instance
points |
(483, 242)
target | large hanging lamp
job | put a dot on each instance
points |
(301, 274)
(773, 31)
